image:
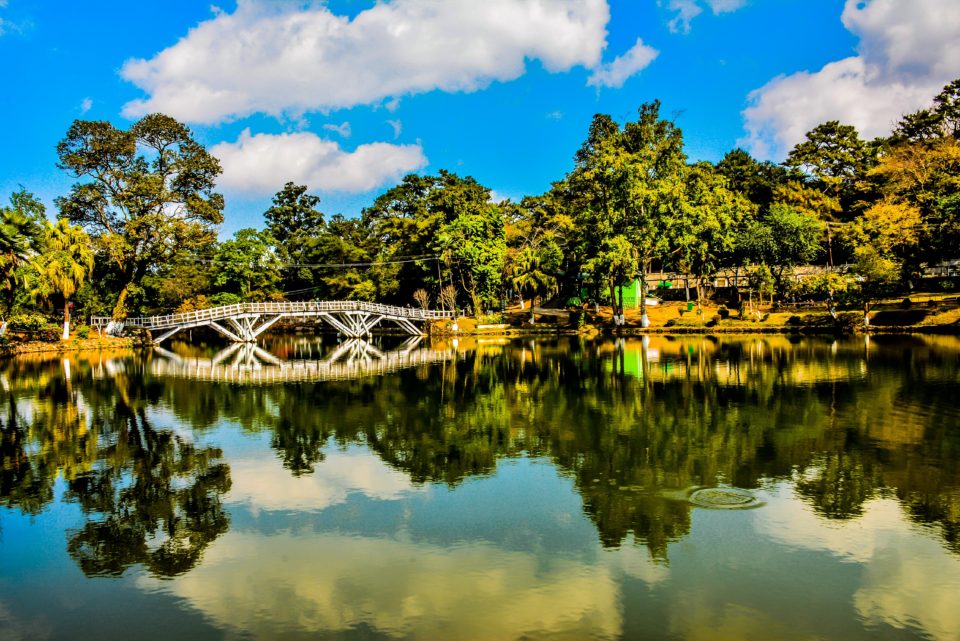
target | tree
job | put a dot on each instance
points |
(247, 266)
(472, 246)
(293, 221)
(942, 120)
(893, 229)
(707, 228)
(21, 229)
(926, 176)
(342, 246)
(531, 271)
(755, 180)
(147, 197)
(64, 264)
(790, 238)
(875, 276)
(837, 161)
(630, 181)
(425, 216)
(538, 233)
(422, 298)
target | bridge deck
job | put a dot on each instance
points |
(298, 308)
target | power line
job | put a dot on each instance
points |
(399, 261)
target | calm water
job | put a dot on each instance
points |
(484, 491)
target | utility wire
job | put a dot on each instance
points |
(403, 260)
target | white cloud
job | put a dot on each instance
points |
(343, 128)
(907, 52)
(85, 106)
(614, 74)
(397, 127)
(259, 164)
(687, 10)
(725, 6)
(280, 59)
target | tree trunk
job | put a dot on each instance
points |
(120, 309)
(700, 297)
(613, 300)
(66, 320)
(644, 319)
(620, 305)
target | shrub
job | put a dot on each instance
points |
(28, 322)
(906, 303)
(671, 323)
(224, 298)
(493, 318)
(83, 331)
(723, 312)
(794, 320)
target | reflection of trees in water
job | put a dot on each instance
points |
(634, 428)
(636, 437)
(149, 496)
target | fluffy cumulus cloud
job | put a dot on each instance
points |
(283, 59)
(615, 73)
(686, 10)
(907, 52)
(260, 164)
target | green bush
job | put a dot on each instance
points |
(494, 318)
(723, 312)
(794, 321)
(28, 323)
(224, 298)
(83, 331)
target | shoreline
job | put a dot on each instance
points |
(104, 344)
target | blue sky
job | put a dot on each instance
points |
(347, 96)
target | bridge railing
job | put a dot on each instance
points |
(296, 307)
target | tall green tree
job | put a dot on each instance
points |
(65, 263)
(21, 232)
(784, 239)
(294, 221)
(473, 245)
(417, 220)
(631, 183)
(707, 231)
(755, 180)
(146, 196)
(247, 266)
(836, 160)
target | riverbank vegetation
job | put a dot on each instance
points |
(137, 233)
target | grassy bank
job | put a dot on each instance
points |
(15, 347)
(942, 316)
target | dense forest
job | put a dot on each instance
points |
(137, 233)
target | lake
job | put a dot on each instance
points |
(735, 487)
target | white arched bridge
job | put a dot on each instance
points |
(246, 321)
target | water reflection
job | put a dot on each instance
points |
(320, 484)
(248, 363)
(149, 495)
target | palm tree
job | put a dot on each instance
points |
(529, 275)
(66, 262)
(17, 239)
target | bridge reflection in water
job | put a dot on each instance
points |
(248, 363)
